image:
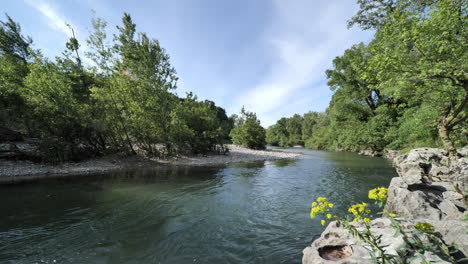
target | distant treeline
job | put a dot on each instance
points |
(407, 88)
(121, 99)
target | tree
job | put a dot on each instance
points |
(198, 127)
(136, 94)
(374, 14)
(248, 132)
(424, 57)
(15, 54)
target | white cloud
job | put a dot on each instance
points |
(54, 20)
(304, 37)
(58, 22)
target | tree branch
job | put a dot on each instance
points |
(451, 126)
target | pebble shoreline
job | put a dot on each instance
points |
(22, 171)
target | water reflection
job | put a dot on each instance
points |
(283, 163)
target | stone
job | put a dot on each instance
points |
(445, 186)
(464, 151)
(431, 188)
(337, 245)
(391, 154)
(452, 195)
(438, 201)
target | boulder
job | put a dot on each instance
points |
(337, 245)
(432, 188)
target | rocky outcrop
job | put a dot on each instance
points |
(432, 188)
(391, 154)
(337, 245)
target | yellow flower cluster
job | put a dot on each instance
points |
(360, 212)
(391, 215)
(321, 206)
(379, 194)
(424, 226)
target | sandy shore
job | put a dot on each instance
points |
(21, 171)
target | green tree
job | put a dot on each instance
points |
(248, 132)
(15, 54)
(425, 57)
(198, 127)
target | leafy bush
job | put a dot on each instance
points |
(248, 132)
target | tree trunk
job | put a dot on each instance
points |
(444, 135)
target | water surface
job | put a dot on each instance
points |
(245, 213)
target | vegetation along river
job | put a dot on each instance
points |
(244, 213)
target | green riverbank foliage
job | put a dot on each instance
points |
(247, 131)
(122, 99)
(406, 88)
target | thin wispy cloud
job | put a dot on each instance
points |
(304, 38)
(58, 22)
(54, 20)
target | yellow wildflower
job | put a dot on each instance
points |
(424, 226)
(329, 216)
(366, 220)
(330, 205)
(312, 214)
(379, 194)
(321, 199)
(314, 204)
(323, 222)
(392, 215)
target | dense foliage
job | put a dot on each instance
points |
(247, 131)
(122, 100)
(407, 88)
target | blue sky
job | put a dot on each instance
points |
(268, 55)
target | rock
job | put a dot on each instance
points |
(391, 154)
(452, 195)
(337, 245)
(464, 152)
(443, 186)
(431, 188)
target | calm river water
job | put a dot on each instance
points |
(248, 213)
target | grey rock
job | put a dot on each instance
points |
(444, 186)
(391, 154)
(437, 200)
(464, 151)
(431, 188)
(452, 195)
(337, 245)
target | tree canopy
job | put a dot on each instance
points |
(123, 101)
(406, 88)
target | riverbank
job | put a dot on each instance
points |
(22, 171)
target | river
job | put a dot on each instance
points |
(245, 213)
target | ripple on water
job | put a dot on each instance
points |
(245, 213)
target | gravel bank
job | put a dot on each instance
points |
(237, 154)
(21, 171)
